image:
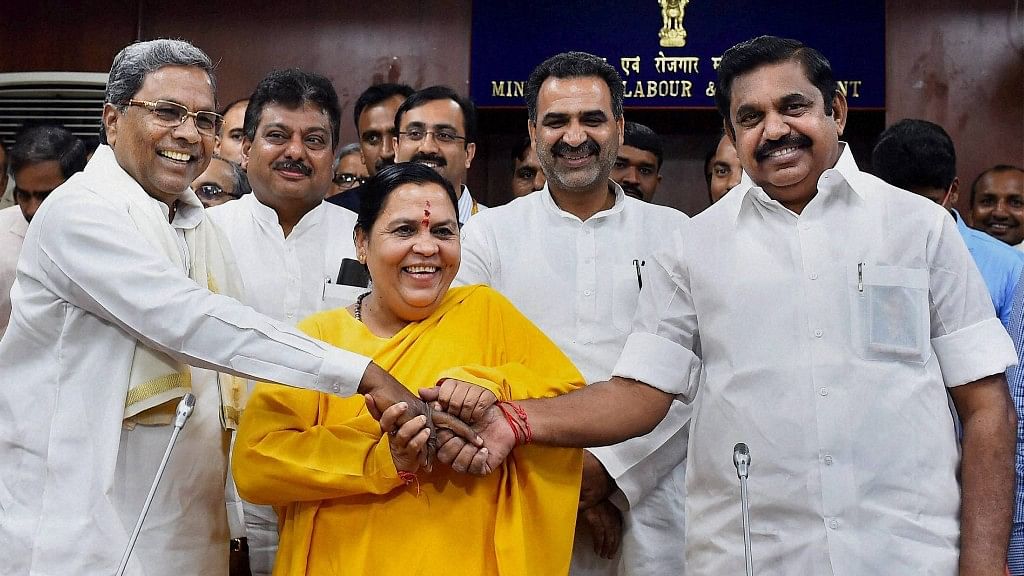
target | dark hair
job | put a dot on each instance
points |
(377, 189)
(520, 150)
(224, 111)
(293, 88)
(376, 94)
(639, 136)
(997, 169)
(421, 97)
(573, 65)
(747, 56)
(46, 142)
(242, 185)
(915, 154)
(131, 65)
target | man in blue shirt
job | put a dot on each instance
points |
(918, 155)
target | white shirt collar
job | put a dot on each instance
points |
(549, 203)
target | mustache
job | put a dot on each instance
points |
(383, 162)
(425, 157)
(796, 140)
(632, 190)
(296, 165)
(589, 147)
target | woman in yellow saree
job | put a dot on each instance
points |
(351, 499)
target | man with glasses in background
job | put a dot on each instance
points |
(437, 128)
(349, 170)
(222, 182)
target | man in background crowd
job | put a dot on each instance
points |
(41, 159)
(527, 175)
(721, 169)
(997, 204)
(638, 165)
(229, 140)
(222, 182)
(349, 170)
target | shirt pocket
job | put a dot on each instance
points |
(625, 294)
(339, 295)
(889, 314)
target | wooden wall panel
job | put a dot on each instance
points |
(50, 35)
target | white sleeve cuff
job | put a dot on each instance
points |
(341, 372)
(659, 362)
(974, 352)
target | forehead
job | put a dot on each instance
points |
(43, 175)
(530, 158)
(236, 114)
(436, 112)
(349, 163)
(725, 152)
(409, 200)
(218, 171)
(1006, 183)
(309, 116)
(771, 82)
(186, 85)
(637, 156)
(380, 115)
(573, 95)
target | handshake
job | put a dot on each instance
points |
(456, 423)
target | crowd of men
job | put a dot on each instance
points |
(852, 333)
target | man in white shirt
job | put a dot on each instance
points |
(820, 316)
(288, 242)
(437, 128)
(42, 158)
(120, 285)
(572, 258)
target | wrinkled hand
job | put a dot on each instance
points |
(466, 401)
(408, 441)
(498, 442)
(605, 523)
(597, 485)
(386, 391)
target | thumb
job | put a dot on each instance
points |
(430, 394)
(460, 428)
(371, 407)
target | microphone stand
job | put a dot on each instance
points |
(741, 459)
(184, 410)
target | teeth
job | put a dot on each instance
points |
(179, 156)
(429, 163)
(783, 151)
(420, 269)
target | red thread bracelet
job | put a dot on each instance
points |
(518, 422)
(410, 478)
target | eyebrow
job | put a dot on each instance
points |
(281, 126)
(432, 127)
(414, 222)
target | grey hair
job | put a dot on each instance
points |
(135, 61)
(345, 150)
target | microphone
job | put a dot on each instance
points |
(741, 460)
(185, 407)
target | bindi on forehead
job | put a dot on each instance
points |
(426, 215)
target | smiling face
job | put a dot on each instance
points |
(999, 205)
(576, 135)
(164, 161)
(449, 159)
(412, 252)
(290, 162)
(783, 137)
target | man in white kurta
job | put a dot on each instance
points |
(579, 282)
(288, 243)
(108, 276)
(12, 233)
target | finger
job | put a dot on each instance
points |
(429, 394)
(460, 397)
(465, 458)
(389, 418)
(409, 430)
(445, 420)
(447, 452)
(371, 407)
(417, 443)
(596, 524)
(448, 387)
(479, 465)
(486, 400)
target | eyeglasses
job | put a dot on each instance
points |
(172, 115)
(346, 180)
(440, 136)
(212, 191)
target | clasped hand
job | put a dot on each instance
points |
(477, 407)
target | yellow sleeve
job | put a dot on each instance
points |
(297, 445)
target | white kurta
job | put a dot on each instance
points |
(826, 340)
(72, 481)
(578, 282)
(286, 279)
(12, 233)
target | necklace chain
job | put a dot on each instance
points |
(358, 311)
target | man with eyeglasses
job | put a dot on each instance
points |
(437, 128)
(349, 170)
(42, 158)
(223, 181)
(122, 284)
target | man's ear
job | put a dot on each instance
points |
(531, 127)
(470, 153)
(621, 123)
(954, 192)
(839, 111)
(110, 117)
(729, 132)
(246, 147)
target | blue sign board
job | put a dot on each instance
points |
(667, 50)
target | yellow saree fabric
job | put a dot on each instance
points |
(323, 461)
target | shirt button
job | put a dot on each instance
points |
(823, 391)
(833, 524)
(586, 292)
(805, 226)
(813, 276)
(828, 460)
(336, 387)
(818, 333)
